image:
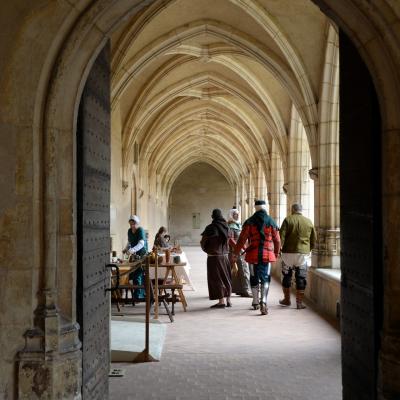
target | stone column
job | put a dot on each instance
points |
(260, 188)
(237, 195)
(243, 197)
(50, 362)
(326, 176)
(250, 194)
(277, 197)
(299, 185)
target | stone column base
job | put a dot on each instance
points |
(53, 377)
(55, 374)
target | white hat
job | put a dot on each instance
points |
(231, 212)
(134, 218)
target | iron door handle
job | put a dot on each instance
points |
(116, 287)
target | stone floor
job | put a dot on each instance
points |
(236, 353)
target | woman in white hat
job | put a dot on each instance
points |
(241, 277)
(137, 246)
(136, 238)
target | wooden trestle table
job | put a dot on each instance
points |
(167, 269)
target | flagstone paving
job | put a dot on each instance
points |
(235, 353)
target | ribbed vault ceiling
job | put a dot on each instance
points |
(214, 81)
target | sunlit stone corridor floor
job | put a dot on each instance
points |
(235, 353)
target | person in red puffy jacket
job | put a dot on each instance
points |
(261, 233)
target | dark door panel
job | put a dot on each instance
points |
(361, 230)
(93, 227)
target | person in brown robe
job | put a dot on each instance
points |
(214, 242)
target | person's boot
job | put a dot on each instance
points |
(263, 308)
(264, 288)
(299, 299)
(286, 299)
(255, 304)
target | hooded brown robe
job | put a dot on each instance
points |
(215, 243)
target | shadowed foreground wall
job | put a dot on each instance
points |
(199, 189)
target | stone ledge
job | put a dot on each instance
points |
(324, 290)
(328, 273)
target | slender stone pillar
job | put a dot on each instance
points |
(326, 176)
(237, 195)
(277, 197)
(243, 197)
(260, 188)
(299, 188)
(250, 194)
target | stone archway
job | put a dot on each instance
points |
(367, 26)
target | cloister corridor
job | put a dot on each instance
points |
(165, 110)
(236, 353)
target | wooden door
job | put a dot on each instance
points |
(93, 228)
(361, 225)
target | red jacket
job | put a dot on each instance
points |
(261, 247)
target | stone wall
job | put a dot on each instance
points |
(121, 190)
(21, 214)
(199, 189)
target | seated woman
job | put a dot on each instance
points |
(167, 238)
(161, 240)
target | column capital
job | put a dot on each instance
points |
(327, 251)
(313, 173)
(328, 241)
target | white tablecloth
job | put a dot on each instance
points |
(183, 272)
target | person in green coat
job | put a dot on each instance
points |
(298, 239)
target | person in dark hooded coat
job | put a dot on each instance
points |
(215, 243)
